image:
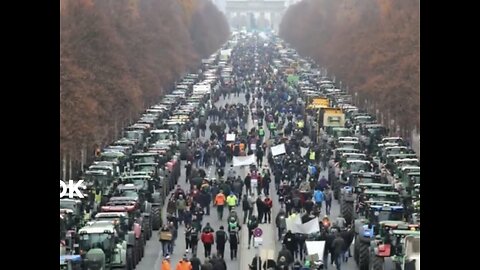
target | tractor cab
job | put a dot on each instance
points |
(106, 166)
(123, 220)
(143, 182)
(404, 171)
(390, 240)
(148, 157)
(151, 167)
(337, 132)
(100, 245)
(117, 158)
(71, 206)
(162, 135)
(131, 144)
(101, 179)
(378, 196)
(357, 165)
(375, 131)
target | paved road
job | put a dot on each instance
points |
(153, 254)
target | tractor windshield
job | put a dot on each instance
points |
(129, 193)
(147, 168)
(145, 159)
(71, 205)
(98, 180)
(95, 240)
(161, 136)
(358, 166)
(389, 215)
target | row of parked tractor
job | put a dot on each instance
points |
(375, 176)
(125, 188)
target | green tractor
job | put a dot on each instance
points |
(146, 184)
(356, 183)
(101, 248)
(367, 228)
(399, 241)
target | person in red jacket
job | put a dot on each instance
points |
(207, 240)
(268, 209)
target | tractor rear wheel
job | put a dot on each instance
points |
(156, 218)
(147, 229)
(129, 263)
(347, 212)
(376, 263)
(364, 256)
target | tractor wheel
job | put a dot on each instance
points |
(364, 256)
(130, 259)
(156, 218)
(356, 249)
(376, 263)
(138, 250)
(148, 229)
(136, 258)
(347, 212)
(141, 245)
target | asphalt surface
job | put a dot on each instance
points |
(153, 252)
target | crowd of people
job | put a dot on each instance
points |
(277, 116)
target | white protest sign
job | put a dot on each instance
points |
(230, 137)
(278, 149)
(243, 161)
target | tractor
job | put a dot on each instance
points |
(136, 223)
(356, 183)
(101, 248)
(400, 241)
(73, 211)
(366, 228)
(150, 211)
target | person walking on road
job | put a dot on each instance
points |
(338, 246)
(207, 240)
(281, 223)
(165, 237)
(260, 209)
(220, 202)
(290, 243)
(252, 225)
(247, 207)
(233, 239)
(268, 209)
(220, 240)
(232, 201)
(328, 194)
(248, 184)
(318, 197)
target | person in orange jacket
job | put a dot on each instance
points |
(166, 263)
(220, 202)
(184, 264)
